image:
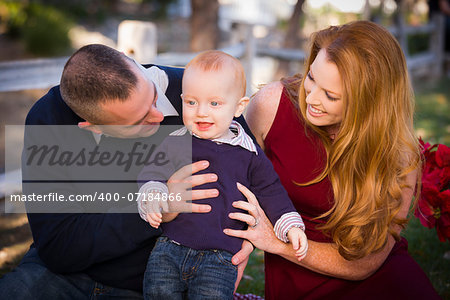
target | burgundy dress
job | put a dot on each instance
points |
(299, 157)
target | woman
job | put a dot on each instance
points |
(343, 143)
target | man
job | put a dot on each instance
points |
(80, 255)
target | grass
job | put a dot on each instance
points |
(253, 280)
(432, 119)
(431, 254)
(432, 123)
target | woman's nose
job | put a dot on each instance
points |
(311, 99)
(312, 95)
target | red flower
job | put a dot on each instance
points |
(427, 211)
(433, 209)
(443, 156)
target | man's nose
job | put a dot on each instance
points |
(155, 116)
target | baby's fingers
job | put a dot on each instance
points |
(295, 242)
(154, 219)
(301, 257)
(155, 224)
(301, 253)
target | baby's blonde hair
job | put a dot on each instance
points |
(215, 60)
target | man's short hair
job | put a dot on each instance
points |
(96, 74)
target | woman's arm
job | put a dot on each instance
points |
(262, 109)
(322, 257)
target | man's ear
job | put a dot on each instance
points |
(242, 104)
(89, 126)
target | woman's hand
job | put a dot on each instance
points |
(260, 231)
(241, 259)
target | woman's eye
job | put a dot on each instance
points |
(330, 97)
(310, 76)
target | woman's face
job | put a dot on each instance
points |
(323, 87)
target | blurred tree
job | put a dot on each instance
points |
(292, 39)
(204, 25)
(93, 10)
(46, 29)
(159, 7)
(43, 28)
(399, 22)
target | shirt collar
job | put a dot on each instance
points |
(161, 81)
(241, 138)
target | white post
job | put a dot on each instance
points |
(250, 52)
(138, 39)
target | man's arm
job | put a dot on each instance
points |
(71, 242)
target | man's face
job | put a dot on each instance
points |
(138, 115)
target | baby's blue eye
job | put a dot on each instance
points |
(214, 103)
(191, 102)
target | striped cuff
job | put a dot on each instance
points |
(285, 223)
(149, 187)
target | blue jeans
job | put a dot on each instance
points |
(178, 272)
(32, 280)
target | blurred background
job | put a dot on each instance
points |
(269, 36)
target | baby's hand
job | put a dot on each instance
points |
(154, 219)
(299, 242)
(151, 208)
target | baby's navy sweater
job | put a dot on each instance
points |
(232, 164)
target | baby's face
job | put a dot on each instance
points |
(210, 101)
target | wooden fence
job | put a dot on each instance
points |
(430, 62)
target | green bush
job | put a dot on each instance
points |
(12, 17)
(44, 29)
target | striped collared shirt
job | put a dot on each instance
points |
(240, 138)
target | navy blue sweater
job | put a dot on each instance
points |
(232, 164)
(111, 248)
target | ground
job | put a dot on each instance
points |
(15, 234)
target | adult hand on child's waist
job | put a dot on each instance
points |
(260, 231)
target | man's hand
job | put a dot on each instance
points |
(181, 184)
(162, 204)
(299, 242)
(241, 259)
